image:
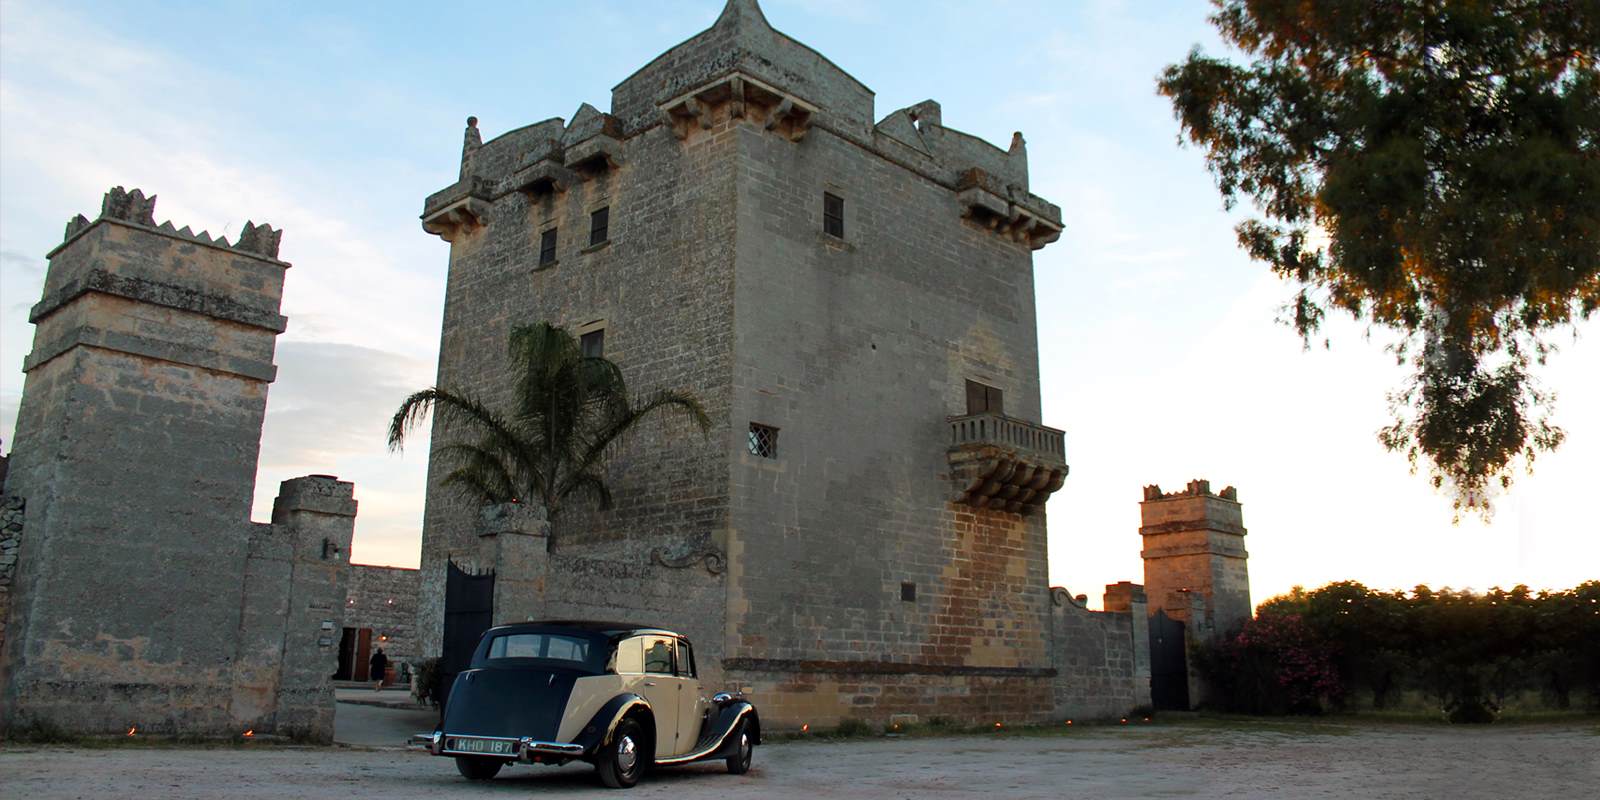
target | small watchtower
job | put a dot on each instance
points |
(1194, 551)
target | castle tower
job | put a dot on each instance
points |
(853, 303)
(135, 453)
(1194, 556)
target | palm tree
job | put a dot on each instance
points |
(567, 411)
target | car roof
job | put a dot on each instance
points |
(609, 629)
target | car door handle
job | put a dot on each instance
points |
(649, 683)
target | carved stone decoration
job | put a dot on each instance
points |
(745, 98)
(1061, 598)
(129, 206)
(714, 560)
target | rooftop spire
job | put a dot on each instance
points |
(742, 11)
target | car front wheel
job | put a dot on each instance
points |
(478, 769)
(622, 760)
(739, 762)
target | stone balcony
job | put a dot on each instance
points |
(1006, 464)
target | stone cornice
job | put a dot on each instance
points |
(157, 293)
(133, 344)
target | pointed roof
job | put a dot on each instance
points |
(742, 40)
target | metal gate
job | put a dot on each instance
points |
(1169, 664)
(468, 612)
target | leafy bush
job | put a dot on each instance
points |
(1468, 652)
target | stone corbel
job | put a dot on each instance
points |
(543, 175)
(1014, 486)
(597, 150)
(785, 114)
(463, 207)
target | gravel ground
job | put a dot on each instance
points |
(1236, 759)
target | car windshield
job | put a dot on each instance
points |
(576, 652)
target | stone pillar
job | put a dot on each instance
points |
(317, 516)
(1128, 598)
(513, 537)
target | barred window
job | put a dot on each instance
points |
(763, 440)
(600, 226)
(547, 247)
(833, 215)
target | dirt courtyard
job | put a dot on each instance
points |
(1235, 760)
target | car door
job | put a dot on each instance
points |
(691, 705)
(661, 688)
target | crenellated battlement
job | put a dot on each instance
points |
(134, 208)
(1196, 488)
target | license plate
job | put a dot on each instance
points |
(492, 747)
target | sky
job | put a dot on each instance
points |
(1161, 354)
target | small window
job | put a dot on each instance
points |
(547, 247)
(908, 592)
(833, 215)
(630, 657)
(593, 343)
(685, 660)
(763, 441)
(982, 399)
(600, 226)
(658, 655)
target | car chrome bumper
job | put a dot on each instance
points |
(531, 749)
(527, 749)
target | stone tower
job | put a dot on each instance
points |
(1194, 556)
(144, 596)
(853, 302)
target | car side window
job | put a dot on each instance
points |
(658, 655)
(685, 660)
(630, 657)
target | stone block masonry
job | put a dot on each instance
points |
(384, 600)
(144, 597)
(11, 516)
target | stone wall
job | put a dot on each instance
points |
(385, 600)
(12, 512)
(1102, 658)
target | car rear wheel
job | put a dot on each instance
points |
(739, 762)
(475, 768)
(622, 760)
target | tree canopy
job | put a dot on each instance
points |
(1427, 166)
(549, 445)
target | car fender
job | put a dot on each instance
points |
(725, 719)
(605, 721)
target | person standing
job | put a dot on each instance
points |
(380, 666)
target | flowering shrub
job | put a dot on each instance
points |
(1275, 665)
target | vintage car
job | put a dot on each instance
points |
(622, 697)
